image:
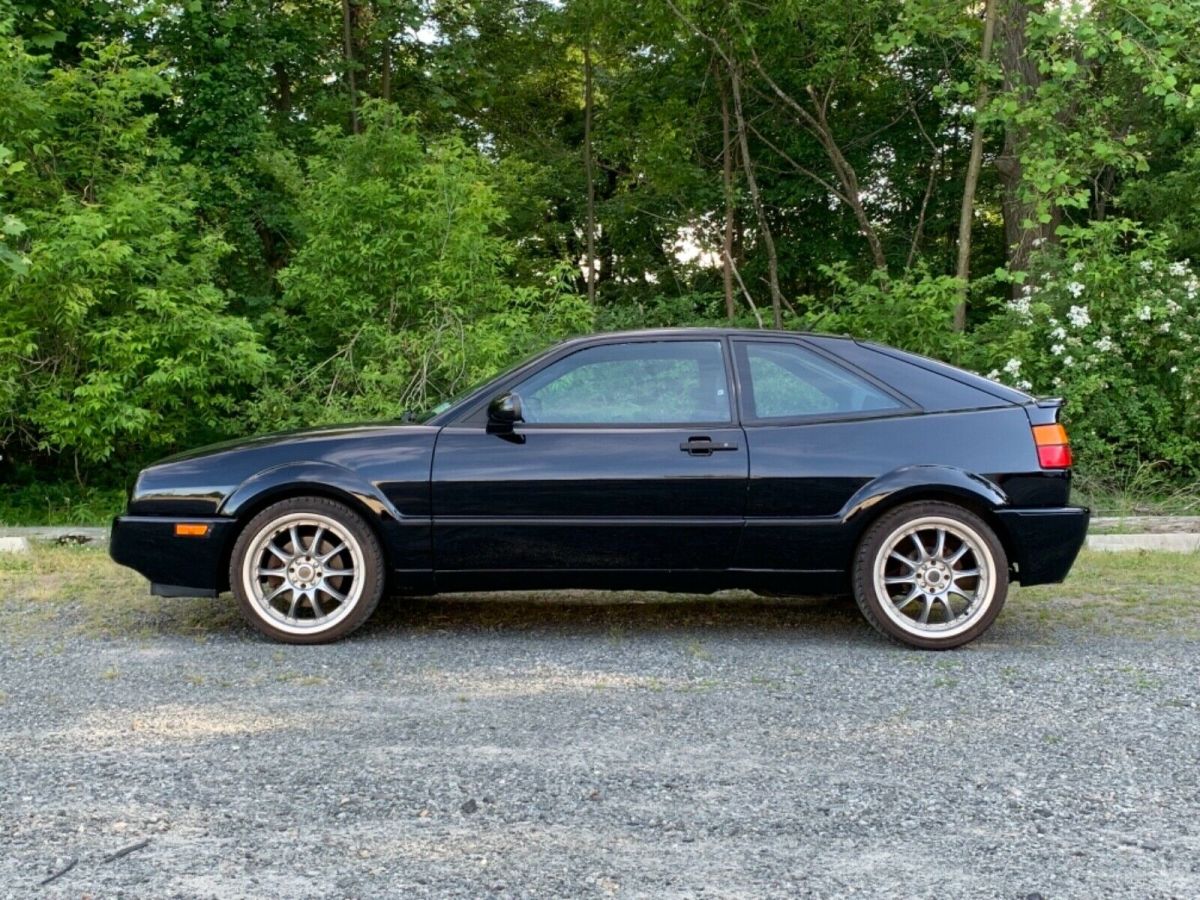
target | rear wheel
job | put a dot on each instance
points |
(931, 575)
(307, 570)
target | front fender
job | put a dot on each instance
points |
(284, 478)
(896, 485)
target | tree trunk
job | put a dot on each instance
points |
(1021, 75)
(349, 14)
(756, 198)
(589, 169)
(283, 89)
(385, 80)
(967, 213)
(727, 182)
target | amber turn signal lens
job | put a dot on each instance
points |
(190, 529)
(1046, 435)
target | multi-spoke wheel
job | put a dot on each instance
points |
(931, 574)
(307, 570)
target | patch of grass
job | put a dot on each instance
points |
(1138, 593)
(1143, 491)
(59, 503)
(299, 678)
(78, 590)
(63, 591)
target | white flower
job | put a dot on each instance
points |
(1174, 369)
(1079, 317)
(1058, 333)
(1173, 307)
(1147, 265)
(1075, 288)
(993, 375)
(1057, 349)
(1037, 242)
(1179, 269)
(1068, 361)
(1144, 313)
(1024, 385)
(1164, 328)
(1020, 306)
(1104, 345)
(1078, 267)
(1013, 366)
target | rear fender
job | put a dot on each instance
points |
(916, 482)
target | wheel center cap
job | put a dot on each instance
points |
(304, 572)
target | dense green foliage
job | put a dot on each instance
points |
(225, 216)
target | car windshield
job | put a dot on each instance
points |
(478, 386)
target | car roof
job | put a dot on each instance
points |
(705, 331)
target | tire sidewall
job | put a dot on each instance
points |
(871, 604)
(373, 568)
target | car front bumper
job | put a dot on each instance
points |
(176, 566)
(1044, 542)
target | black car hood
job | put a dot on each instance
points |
(295, 435)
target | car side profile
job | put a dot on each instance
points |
(679, 459)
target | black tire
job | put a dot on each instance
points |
(961, 525)
(342, 525)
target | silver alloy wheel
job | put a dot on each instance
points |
(935, 576)
(304, 572)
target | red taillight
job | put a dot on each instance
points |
(1054, 452)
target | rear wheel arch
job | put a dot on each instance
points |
(957, 496)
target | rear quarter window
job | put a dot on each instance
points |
(933, 385)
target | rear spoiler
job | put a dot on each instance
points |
(1044, 411)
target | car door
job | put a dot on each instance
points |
(818, 431)
(629, 458)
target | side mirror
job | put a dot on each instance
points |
(504, 412)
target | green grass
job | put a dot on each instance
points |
(79, 590)
(1141, 492)
(55, 592)
(59, 503)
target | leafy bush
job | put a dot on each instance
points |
(399, 295)
(1107, 319)
(914, 312)
(114, 340)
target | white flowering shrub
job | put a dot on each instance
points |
(1109, 321)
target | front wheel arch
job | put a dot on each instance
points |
(252, 506)
(344, 559)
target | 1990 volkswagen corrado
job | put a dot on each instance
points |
(680, 460)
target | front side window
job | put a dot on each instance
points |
(782, 380)
(640, 383)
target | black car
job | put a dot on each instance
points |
(683, 460)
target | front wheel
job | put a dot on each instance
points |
(307, 570)
(931, 575)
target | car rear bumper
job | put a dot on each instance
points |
(176, 566)
(1044, 542)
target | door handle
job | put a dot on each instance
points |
(703, 446)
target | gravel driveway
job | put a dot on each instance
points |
(597, 745)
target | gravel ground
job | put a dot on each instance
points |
(623, 745)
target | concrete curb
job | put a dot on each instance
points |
(1169, 543)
